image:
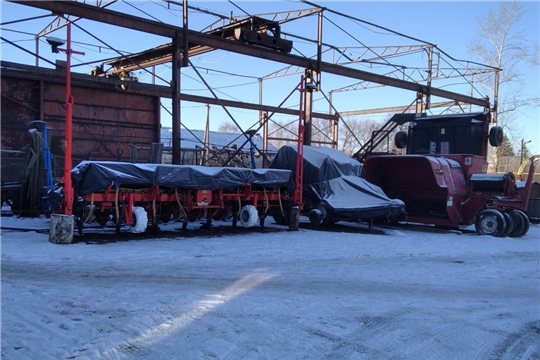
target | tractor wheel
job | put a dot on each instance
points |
(400, 139)
(315, 218)
(490, 222)
(510, 224)
(526, 220)
(520, 224)
(496, 136)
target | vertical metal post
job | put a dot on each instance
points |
(186, 43)
(252, 150)
(472, 89)
(265, 139)
(68, 186)
(522, 146)
(260, 97)
(308, 116)
(37, 54)
(319, 49)
(176, 116)
(429, 76)
(47, 158)
(299, 173)
(67, 201)
(419, 106)
(334, 123)
(330, 107)
(335, 133)
(207, 136)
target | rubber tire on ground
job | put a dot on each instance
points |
(490, 222)
(520, 224)
(527, 222)
(400, 139)
(249, 216)
(510, 226)
(315, 218)
(140, 220)
(496, 136)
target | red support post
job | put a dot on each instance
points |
(68, 186)
(299, 174)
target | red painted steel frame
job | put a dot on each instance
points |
(190, 199)
(299, 174)
(68, 186)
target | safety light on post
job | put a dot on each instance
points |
(310, 83)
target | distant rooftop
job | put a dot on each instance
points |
(193, 139)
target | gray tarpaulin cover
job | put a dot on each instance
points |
(333, 179)
(96, 176)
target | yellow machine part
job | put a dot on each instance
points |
(524, 165)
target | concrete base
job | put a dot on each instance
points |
(294, 221)
(61, 229)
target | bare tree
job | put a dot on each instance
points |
(321, 133)
(362, 129)
(283, 132)
(501, 42)
(286, 133)
(228, 127)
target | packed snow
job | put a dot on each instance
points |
(340, 293)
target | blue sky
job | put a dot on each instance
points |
(449, 25)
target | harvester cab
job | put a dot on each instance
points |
(443, 176)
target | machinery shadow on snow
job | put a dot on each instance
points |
(106, 235)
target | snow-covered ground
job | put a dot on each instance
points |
(391, 294)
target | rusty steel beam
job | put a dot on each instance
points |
(398, 109)
(156, 56)
(173, 32)
(163, 54)
(250, 106)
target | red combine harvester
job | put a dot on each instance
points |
(443, 177)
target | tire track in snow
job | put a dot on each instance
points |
(363, 339)
(522, 345)
(33, 329)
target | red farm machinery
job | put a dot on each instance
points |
(134, 194)
(442, 178)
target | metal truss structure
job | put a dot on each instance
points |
(261, 36)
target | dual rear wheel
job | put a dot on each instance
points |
(513, 223)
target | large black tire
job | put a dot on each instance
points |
(510, 226)
(520, 224)
(526, 220)
(490, 222)
(496, 136)
(315, 218)
(400, 139)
